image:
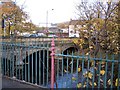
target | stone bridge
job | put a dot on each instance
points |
(24, 58)
(21, 48)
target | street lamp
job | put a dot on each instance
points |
(47, 22)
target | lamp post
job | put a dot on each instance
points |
(47, 22)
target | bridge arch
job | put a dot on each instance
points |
(69, 50)
(6, 66)
(68, 61)
(37, 66)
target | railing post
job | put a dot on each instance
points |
(52, 62)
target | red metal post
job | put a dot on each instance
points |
(52, 62)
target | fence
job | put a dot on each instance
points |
(32, 63)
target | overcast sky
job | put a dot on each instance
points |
(64, 10)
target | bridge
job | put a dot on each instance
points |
(29, 60)
(27, 52)
(28, 46)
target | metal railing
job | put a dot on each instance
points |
(28, 63)
(32, 63)
(87, 72)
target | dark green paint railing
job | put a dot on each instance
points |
(32, 63)
(105, 71)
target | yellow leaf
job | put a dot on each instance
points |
(87, 53)
(84, 85)
(90, 83)
(102, 72)
(95, 84)
(103, 63)
(65, 70)
(92, 63)
(116, 82)
(91, 47)
(79, 85)
(85, 74)
(79, 69)
(90, 75)
(109, 82)
(73, 78)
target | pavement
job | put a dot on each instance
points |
(8, 83)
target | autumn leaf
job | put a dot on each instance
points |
(90, 83)
(116, 82)
(102, 72)
(79, 85)
(95, 84)
(90, 75)
(79, 69)
(109, 82)
(65, 70)
(73, 79)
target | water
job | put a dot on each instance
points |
(70, 80)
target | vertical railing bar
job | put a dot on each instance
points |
(22, 51)
(16, 55)
(77, 68)
(83, 65)
(7, 68)
(13, 61)
(32, 60)
(7, 65)
(9, 62)
(118, 87)
(36, 64)
(5, 59)
(9, 59)
(16, 58)
(3, 48)
(19, 60)
(88, 57)
(25, 72)
(28, 66)
(47, 62)
(99, 70)
(43, 65)
(39, 67)
(106, 70)
(72, 64)
(2, 61)
(67, 63)
(112, 72)
(93, 78)
(62, 69)
(58, 60)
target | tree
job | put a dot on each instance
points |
(100, 21)
(13, 16)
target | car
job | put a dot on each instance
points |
(52, 36)
(26, 35)
(41, 35)
(33, 35)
